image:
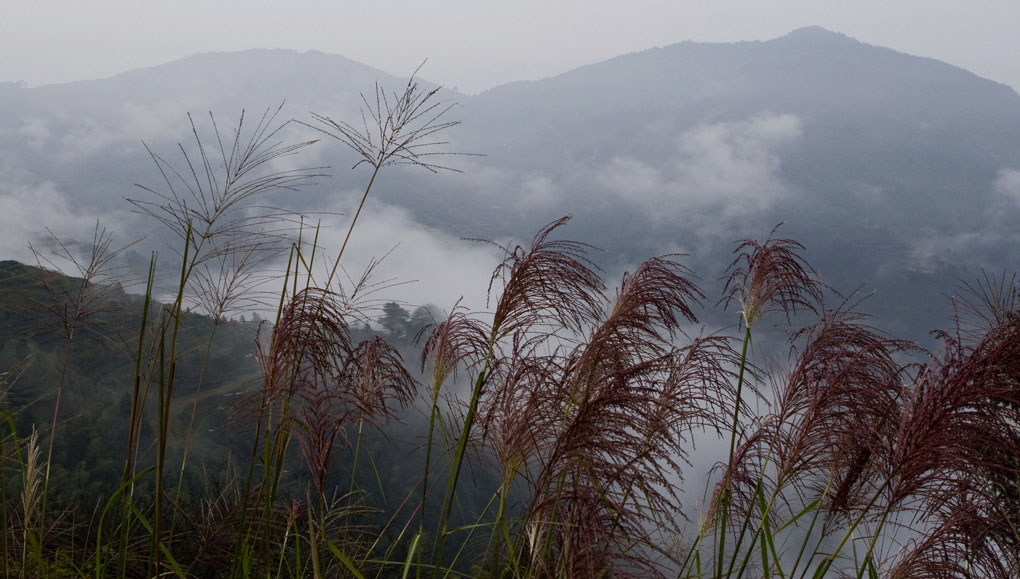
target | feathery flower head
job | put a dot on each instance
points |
(397, 129)
(459, 339)
(768, 276)
(552, 281)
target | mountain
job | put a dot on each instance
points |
(895, 171)
(858, 132)
(64, 342)
(900, 174)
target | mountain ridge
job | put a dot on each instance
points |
(804, 36)
(886, 165)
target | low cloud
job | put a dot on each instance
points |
(538, 192)
(731, 168)
(28, 211)
(35, 133)
(419, 265)
(1008, 185)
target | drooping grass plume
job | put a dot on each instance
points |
(950, 456)
(309, 339)
(551, 282)
(607, 484)
(966, 538)
(960, 418)
(598, 429)
(839, 402)
(548, 286)
(308, 343)
(455, 342)
(986, 302)
(768, 276)
(376, 381)
(821, 451)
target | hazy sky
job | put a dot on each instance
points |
(471, 44)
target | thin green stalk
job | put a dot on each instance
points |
(167, 389)
(375, 471)
(354, 464)
(823, 567)
(395, 542)
(283, 548)
(191, 421)
(53, 425)
(743, 532)
(764, 525)
(503, 528)
(276, 455)
(725, 497)
(364, 197)
(263, 417)
(155, 539)
(414, 548)
(765, 510)
(693, 553)
(135, 422)
(803, 545)
(347, 562)
(272, 442)
(871, 547)
(274, 471)
(425, 481)
(100, 566)
(22, 466)
(458, 459)
(471, 530)
(767, 538)
(4, 519)
(298, 558)
(313, 551)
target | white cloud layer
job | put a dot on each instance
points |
(729, 167)
(427, 266)
(1008, 185)
(27, 211)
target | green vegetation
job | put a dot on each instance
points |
(142, 440)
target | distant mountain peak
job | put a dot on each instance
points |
(815, 34)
